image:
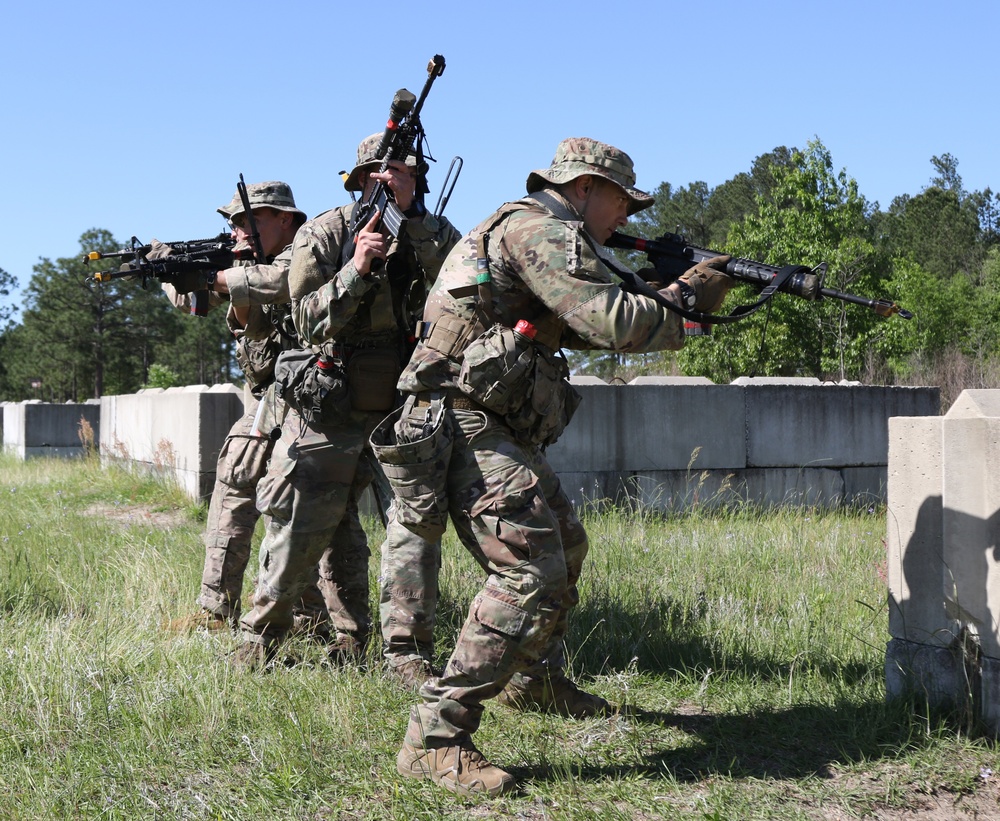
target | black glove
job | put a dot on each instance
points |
(193, 281)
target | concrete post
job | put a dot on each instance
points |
(943, 545)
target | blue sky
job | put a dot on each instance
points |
(139, 117)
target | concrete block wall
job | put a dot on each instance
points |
(176, 431)
(943, 553)
(670, 443)
(665, 443)
(33, 428)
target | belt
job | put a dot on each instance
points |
(456, 400)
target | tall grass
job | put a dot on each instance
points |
(748, 647)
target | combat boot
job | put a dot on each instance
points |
(310, 626)
(557, 695)
(413, 674)
(252, 656)
(343, 649)
(459, 767)
(204, 621)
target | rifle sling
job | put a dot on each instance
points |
(637, 285)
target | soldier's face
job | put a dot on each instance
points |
(270, 226)
(605, 209)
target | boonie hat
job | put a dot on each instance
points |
(577, 156)
(273, 194)
(368, 162)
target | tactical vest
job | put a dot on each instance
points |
(517, 373)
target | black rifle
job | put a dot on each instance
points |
(214, 254)
(255, 243)
(404, 135)
(672, 255)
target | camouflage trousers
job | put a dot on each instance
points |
(232, 517)
(411, 445)
(510, 512)
(310, 497)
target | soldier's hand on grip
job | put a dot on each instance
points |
(159, 250)
(710, 283)
(192, 281)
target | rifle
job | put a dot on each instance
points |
(213, 254)
(255, 242)
(403, 135)
(672, 255)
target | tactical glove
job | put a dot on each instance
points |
(710, 283)
(159, 250)
(193, 281)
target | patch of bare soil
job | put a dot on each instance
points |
(137, 515)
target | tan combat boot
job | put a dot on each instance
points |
(342, 649)
(252, 656)
(557, 695)
(460, 768)
(412, 674)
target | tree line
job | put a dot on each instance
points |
(934, 253)
(79, 340)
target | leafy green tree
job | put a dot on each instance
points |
(812, 215)
(940, 228)
(961, 313)
(160, 376)
(7, 284)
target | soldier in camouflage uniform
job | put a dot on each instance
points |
(256, 296)
(483, 400)
(357, 317)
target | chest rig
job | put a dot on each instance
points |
(451, 334)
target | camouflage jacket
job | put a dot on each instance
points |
(333, 303)
(250, 286)
(261, 288)
(545, 271)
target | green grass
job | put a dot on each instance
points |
(749, 646)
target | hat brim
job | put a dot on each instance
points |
(353, 180)
(567, 172)
(237, 211)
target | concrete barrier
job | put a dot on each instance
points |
(33, 428)
(671, 443)
(942, 542)
(177, 431)
(666, 443)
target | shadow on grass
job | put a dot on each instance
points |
(660, 641)
(667, 638)
(793, 743)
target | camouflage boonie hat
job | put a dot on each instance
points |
(581, 155)
(274, 194)
(367, 162)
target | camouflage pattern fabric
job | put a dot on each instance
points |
(272, 194)
(310, 496)
(504, 499)
(509, 510)
(243, 459)
(317, 473)
(413, 447)
(232, 516)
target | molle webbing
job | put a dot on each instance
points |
(449, 334)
